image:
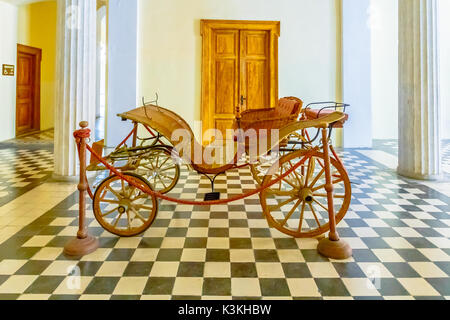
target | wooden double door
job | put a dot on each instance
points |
(239, 68)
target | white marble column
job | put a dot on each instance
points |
(76, 79)
(418, 90)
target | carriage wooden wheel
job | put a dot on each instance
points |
(122, 209)
(160, 169)
(298, 205)
(262, 167)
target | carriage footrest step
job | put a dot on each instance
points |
(212, 196)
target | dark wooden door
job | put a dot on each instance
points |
(28, 89)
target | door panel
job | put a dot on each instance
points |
(255, 69)
(24, 115)
(225, 87)
(222, 126)
(24, 93)
(256, 85)
(28, 88)
(225, 73)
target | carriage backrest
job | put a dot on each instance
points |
(289, 106)
(163, 121)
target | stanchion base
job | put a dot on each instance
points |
(81, 247)
(338, 250)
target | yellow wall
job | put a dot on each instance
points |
(37, 28)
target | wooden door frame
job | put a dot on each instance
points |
(37, 53)
(206, 28)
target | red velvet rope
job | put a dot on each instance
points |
(145, 189)
(82, 133)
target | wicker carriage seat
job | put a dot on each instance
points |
(312, 114)
(286, 111)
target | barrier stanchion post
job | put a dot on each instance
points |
(332, 247)
(84, 243)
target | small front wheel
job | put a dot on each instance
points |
(122, 208)
(160, 169)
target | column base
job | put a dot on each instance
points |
(75, 179)
(418, 176)
(338, 250)
(80, 247)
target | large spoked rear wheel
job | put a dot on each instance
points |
(160, 169)
(123, 209)
(298, 205)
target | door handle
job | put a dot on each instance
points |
(242, 100)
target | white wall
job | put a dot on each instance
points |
(356, 44)
(384, 26)
(170, 47)
(444, 38)
(8, 55)
(122, 67)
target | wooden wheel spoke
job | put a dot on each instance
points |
(302, 213)
(131, 191)
(166, 176)
(290, 213)
(141, 196)
(143, 206)
(107, 213)
(112, 201)
(157, 161)
(299, 179)
(315, 215)
(324, 195)
(319, 175)
(167, 168)
(275, 208)
(286, 180)
(159, 177)
(103, 194)
(114, 192)
(323, 185)
(280, 193)
(167, 159)
(321, 205)
(138, 215)
(129, 220)
(117, 220)
(310, 169)
(123, 186)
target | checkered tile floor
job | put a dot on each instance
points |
(43, 137)
(22, 169)
(446, 156)
(391, 147)
(399, 232)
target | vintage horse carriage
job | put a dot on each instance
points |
(304, 188)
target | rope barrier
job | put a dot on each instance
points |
(191, 202)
